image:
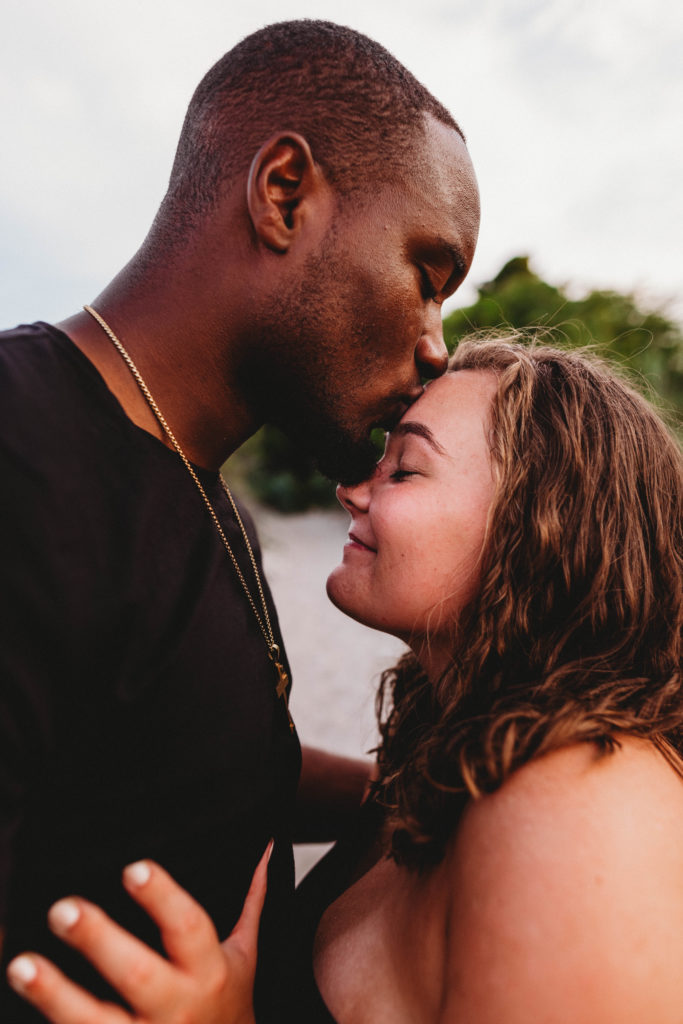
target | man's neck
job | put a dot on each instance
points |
(186, 360)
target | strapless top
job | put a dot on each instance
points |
(324, 883)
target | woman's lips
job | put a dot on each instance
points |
(355, 541)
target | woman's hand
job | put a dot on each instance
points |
(204, 981)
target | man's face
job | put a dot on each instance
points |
(350, 338)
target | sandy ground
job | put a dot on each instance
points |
(335, 662)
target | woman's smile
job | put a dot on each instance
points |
(422, 515)
(355, 542)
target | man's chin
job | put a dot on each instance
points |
(347, 463)
(341, 456)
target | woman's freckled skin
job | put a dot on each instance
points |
(424, 512)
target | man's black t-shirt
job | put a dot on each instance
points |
(138, 714)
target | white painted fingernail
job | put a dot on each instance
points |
(63, 915)
(21, 972)
(138, 873)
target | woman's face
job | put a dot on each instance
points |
(418, 524)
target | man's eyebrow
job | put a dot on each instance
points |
(419, 430)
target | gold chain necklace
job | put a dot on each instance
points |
(263, 620)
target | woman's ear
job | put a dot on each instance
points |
(283, 184)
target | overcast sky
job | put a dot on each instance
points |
(573, 111)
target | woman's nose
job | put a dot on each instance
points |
(355, 497)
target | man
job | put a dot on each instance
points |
(321, 206)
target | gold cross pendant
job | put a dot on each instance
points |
(281, 689)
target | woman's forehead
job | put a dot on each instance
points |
(453, 402)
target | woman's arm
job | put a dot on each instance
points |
(566, 892)
(331, 791)
(203, 981)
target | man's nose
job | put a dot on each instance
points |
(431, 354)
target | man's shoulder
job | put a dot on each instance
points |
(23, 343)
(36, 363)
(52, 400)
(64, 456)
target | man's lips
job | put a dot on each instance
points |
(355, 541)
(395, 413)
(392, 418)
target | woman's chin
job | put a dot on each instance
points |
(347, 600)
(336, 591)
(344, 597)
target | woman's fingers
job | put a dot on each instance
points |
(187, 931)
(145, 980)
(245, 933)
(62, 1002)
(203, 976)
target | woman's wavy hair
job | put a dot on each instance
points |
(575, 633)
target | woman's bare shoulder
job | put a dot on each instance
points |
(574, 784)
(566, 892)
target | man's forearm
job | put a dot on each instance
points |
(331, 790)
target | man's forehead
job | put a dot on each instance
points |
(432, 202)
(446, 165)
(442, 197)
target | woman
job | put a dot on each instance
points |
(523, 535)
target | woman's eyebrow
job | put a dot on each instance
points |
(419, 430)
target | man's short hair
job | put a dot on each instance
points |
(357, 106)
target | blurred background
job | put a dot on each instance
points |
(572, 110)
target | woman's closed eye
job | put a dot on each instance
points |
(401, 474)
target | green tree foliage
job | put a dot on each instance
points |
(280, 474)
(648, 344)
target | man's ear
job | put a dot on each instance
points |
(283, 181)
